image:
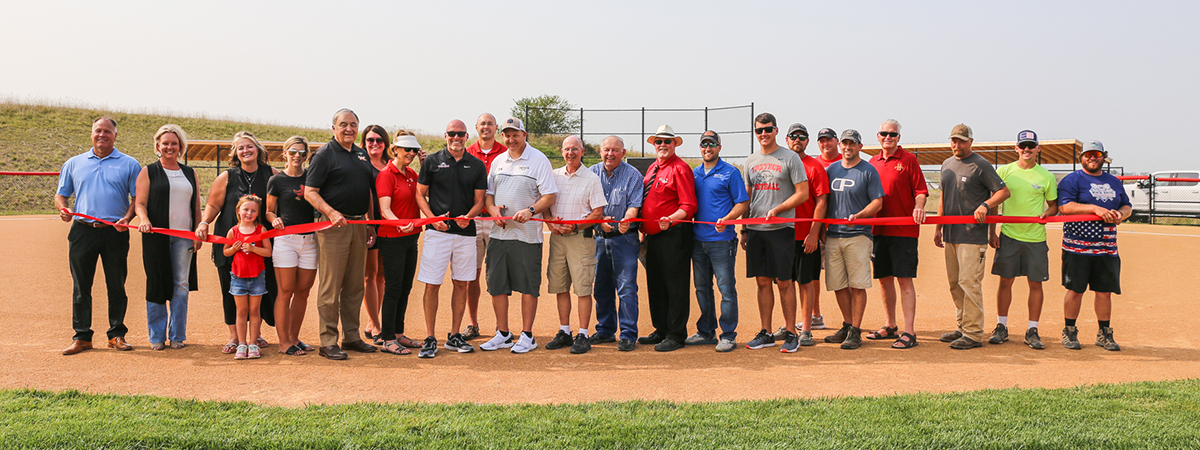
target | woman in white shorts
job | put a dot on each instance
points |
(295, 255)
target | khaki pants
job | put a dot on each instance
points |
(964, 271)
(343, 256)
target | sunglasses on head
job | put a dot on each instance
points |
(798, 137)
(663, 141)
(889, 134)
(375, 141)
(709, 145)
(297, 152)
(1026, 145)
(456, 134)
(762, 130)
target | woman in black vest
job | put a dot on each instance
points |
(248, 174)
(167, 198)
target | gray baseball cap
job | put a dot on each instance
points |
(1094, 146)
(1027, 136)
(851, 134)
(797, 128)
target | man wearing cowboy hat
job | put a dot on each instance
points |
(669, 196)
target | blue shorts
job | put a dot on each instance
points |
(248, 286)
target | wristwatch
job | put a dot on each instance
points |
(530, 210)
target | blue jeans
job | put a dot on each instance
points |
(616, 272)
(716, 258)
(156, 314)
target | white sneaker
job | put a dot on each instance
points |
(524, 345)
(818, 323)
(726, 345)
(498, 342)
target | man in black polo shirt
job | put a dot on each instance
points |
(454, 182)
(339, 187)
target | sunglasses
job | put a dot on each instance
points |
(1093, 155)
(376, 141)
(1026, 145)
(455, 134)
(763, 130)
(889, 134)
(709, 145)
(297, 152)
(663, 141)
(798, 137)
(408, 150)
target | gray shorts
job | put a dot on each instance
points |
(1022, 259)
(514, 266)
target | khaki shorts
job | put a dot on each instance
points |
(572, 263)
(848, 263)
(483, 234)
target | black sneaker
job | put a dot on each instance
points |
(428, 350)
(1104, 338)
(853, 339)
(562, 339)
(1033, 340)
(626, 345)
(791, 342)
(457, 343)
(762, 339)
(598, 339)
(840, 336)
(652, 339)
(668, 345)
(582, 344)
(999, 335)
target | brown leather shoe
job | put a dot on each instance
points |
(359, 346)
(119, 344)
(77, 346)
(333, 352)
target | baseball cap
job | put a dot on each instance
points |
(711, 136)
(513, 123)
(961, 131)
(853, 135)
(1027, 136)
(798, 128)
(1094, 146)
(827, 133)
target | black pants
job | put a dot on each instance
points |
(668, 274)
(266, 308)
(399, 257)
(85, 244)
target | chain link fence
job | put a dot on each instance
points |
(27, 192)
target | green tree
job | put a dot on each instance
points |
(558, 117)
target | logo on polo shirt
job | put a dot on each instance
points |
(443, 165)
(899, 167)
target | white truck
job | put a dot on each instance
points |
(1170, 197)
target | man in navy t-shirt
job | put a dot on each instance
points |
(1089, 257)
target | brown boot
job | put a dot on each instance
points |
(77, 346)
(119, 344)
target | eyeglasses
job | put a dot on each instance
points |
(663, 141)
(1027, 145)
(889, 134)
(709, 145)
(763, 130)
(375, 141)
(798, 137)
(455, 134)
(292, 151)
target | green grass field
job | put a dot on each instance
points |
(1137, 415)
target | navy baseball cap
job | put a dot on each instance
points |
(827, 133)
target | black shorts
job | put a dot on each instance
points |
(895, 256)
(1101, 273)
(769, 253)
(806, 267)
(1022, 259)
(514, 266)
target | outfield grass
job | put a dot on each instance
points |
(1137, 415)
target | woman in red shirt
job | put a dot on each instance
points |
(396, 186)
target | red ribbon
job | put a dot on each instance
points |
(318, 226)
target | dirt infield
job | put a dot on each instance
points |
(1151, 320)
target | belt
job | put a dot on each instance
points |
(614, 233)
(358, 217)
(92, 224)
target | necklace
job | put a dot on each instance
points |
(248, 181)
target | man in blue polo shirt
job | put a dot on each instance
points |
(721, 196)
(103, 181)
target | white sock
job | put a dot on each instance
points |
(584, 332)
(1002, 320)
(565, 328)
(1033, 324)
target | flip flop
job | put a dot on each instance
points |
(295, 350)
(888, 333)
(230, 347)
(178, 345)
(905, 344)
(306, 347)
(261, 343)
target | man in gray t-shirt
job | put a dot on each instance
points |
(970, 186)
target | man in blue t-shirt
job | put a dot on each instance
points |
(1089, 257)
(721, 196)
(855, 192)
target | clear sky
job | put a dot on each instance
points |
(1125, 73)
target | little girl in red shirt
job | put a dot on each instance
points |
(249, 281)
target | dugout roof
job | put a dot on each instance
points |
(218, 151)
(1053, 152)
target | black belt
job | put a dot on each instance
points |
(358, 217)
(93, 224)
(615, 233)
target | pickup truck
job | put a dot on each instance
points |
(1174, 193)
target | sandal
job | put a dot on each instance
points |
(158, 346)
(230, 347)
(903, 343)
(883, 333)
(261, 343)
(306, 347)
(395, 348)
(295, 350)
(405, 341)
(178, 345)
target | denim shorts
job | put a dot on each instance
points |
(248, 286)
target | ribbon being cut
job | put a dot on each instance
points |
(318, 226)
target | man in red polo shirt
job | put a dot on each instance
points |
(895, 253)
(486, 148)
(669, 196)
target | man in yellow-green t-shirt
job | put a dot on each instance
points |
(1021, 249)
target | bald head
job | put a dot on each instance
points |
(572, 152)
(612, 152)
(485, 126)
(456, 136)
